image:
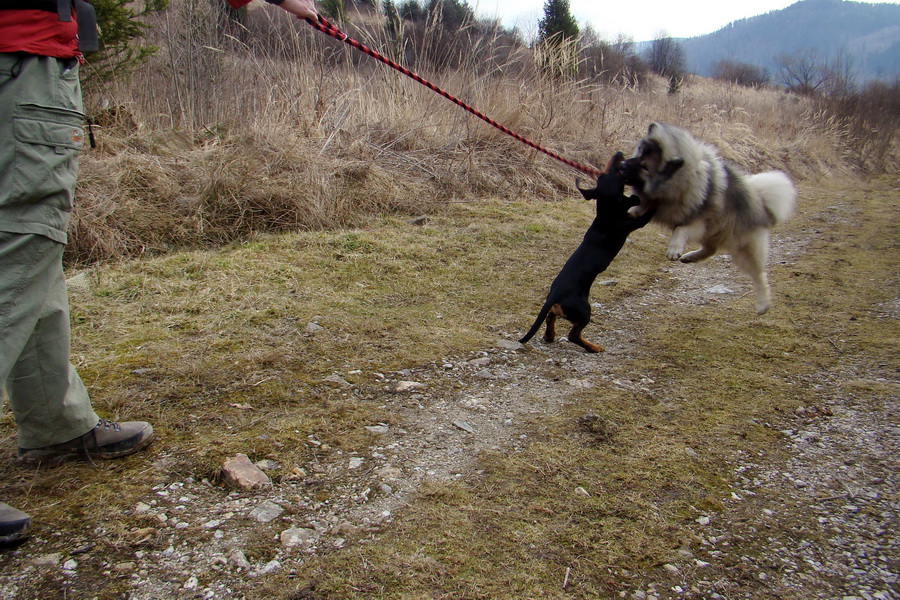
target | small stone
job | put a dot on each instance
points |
(47, 560)
(356, 462)
(70, 565)
(509, 345)
(378, 429)
(464, 426)
(671, 568)
(266, 511)
(267, 464)
(240, 472)
(338, 381)
(407, 386)
(313, 328)
(271, 567)
(582, 492)
(345, 529)
(609, 283)
(389, 473)
(191, 583)
(238, 559)
(124, 567)
(719, 289)
(297, 536)
(704, 520)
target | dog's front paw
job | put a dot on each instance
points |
(674, 253)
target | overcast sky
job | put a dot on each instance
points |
(642, 20)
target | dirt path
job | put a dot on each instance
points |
(842, 467)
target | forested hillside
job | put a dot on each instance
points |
(865, 37)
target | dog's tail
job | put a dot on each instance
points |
(777, 192)
(545, 310)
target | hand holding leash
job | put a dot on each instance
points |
(302, 9)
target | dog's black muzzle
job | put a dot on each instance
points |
(630, 170)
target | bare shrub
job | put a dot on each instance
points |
(740, 73)
(870, 119)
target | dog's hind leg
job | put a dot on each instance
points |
(550, 333)
(752, 259)
(575, 338)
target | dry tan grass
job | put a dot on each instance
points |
(216, 140)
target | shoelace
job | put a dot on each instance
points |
(107, 425)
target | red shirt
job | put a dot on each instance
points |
(38, 32)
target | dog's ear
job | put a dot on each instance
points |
(671, 167)
(589, 194)
(613, 165)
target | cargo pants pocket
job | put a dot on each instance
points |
(44, 167)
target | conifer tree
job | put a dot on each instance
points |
(121, 31)
(558, 23)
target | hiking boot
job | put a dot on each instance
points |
(106, 440)
(14, 525)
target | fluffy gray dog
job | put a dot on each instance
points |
(708, 201)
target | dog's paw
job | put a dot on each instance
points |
(636, 211)
(673, 253)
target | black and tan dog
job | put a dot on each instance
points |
(568, 297)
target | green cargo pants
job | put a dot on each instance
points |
(41, 129)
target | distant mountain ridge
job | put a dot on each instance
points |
(869, 34)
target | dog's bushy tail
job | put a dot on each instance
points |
(777, 192)
(545, 310)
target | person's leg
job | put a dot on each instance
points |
(41, 113)
(48, 400)
(51, 406)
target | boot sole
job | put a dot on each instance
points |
(32, 460)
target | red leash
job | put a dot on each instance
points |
(328, 29)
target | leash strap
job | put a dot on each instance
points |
(327, 28)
